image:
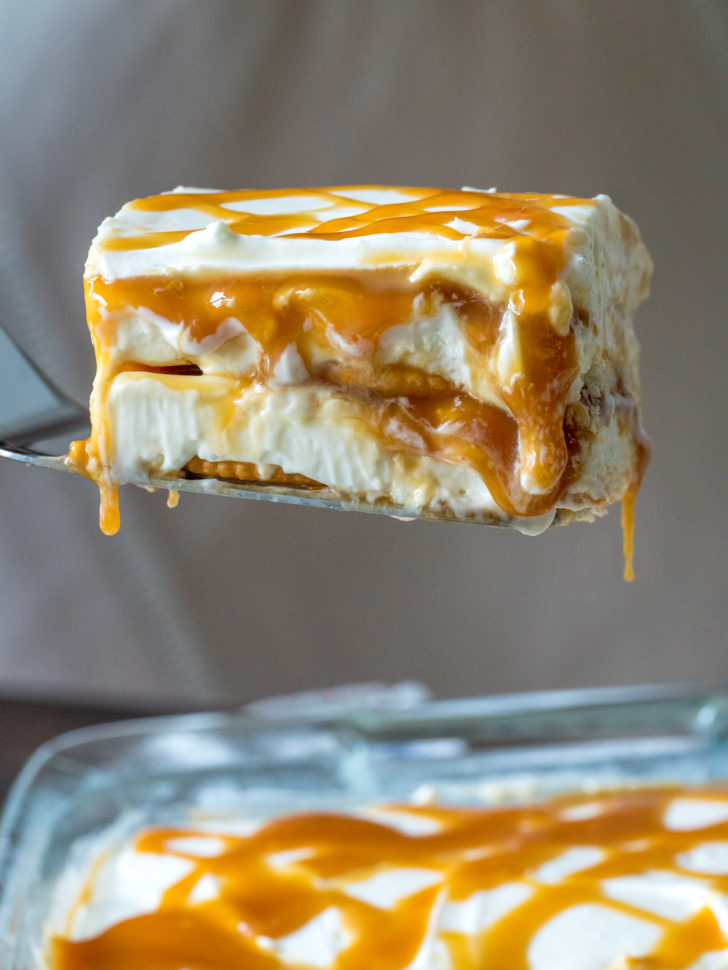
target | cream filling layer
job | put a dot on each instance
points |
(158, 422)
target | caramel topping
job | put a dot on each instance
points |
(448, 214)
(259, 900)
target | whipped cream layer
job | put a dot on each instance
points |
(466, 353)
(628, 879)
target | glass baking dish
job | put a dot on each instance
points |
(342, 747)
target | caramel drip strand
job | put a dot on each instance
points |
(628, 501)
(643, 449)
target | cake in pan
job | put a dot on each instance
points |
(633, 878)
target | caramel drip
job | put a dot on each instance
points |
(472, 850)
(92, 458)
(84, 457)
(643, 449)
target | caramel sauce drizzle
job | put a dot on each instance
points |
(472, 850)
(449, 214)
(335, 321)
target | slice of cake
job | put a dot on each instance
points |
(466, 354)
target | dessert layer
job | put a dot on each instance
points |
(634, 878)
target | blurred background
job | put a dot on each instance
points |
(219, 602)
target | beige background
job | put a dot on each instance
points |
(221, 601)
